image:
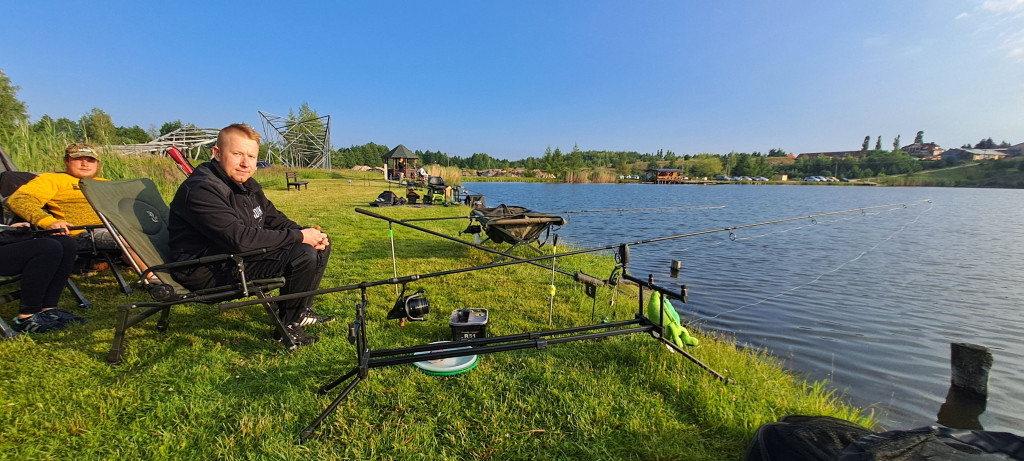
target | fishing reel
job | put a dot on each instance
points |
(413, 307)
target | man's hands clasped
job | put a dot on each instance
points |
(315, 238)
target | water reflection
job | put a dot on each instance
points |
(869, 302)
(962, 409)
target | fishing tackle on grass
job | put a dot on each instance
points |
(653, 319)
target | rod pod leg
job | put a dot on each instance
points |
(308, 431)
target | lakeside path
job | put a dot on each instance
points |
(215, 385)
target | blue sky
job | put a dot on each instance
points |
(511, 78)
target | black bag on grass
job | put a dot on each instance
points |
(388, 198)
(823, 438)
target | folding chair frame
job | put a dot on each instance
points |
(168, 293)
(105, 255)
(82, 302)
(245, 288)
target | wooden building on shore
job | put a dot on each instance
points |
(666, 176)
(673, 176)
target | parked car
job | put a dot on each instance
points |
(263, 164)
(760, 178)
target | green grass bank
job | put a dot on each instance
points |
(217, 386)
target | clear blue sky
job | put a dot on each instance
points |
(512, 78)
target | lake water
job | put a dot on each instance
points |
(869, 301)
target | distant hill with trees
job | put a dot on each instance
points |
(577, 165)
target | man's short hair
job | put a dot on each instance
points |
(240, 128)
(79, 149)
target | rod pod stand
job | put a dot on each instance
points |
(367, 358)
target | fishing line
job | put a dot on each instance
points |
(515, 259)
(612, 210)
(394, 262)
(813, 222)
(705, 319)
(610, 247)
(715, 207)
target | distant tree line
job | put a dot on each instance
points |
(986, 144)
(97, 127)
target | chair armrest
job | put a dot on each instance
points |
(202, 261)
(41, 232)
(160, 286)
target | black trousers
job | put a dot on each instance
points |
(301, 265)
(44, 264)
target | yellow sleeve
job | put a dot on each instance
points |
(29, 201)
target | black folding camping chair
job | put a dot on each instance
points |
(134, 211)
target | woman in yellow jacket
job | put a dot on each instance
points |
(55, 201)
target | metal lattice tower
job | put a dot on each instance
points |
(298, 143)
(189, 139)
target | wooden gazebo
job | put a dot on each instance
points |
(400, 160)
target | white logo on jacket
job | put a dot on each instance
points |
(257, 212)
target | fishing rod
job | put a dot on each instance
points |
(623, 249)
(613, 210)
(454, 239)
(765, 223)
(403, 280)
(641, 242)
(368, 358)
(709, 207)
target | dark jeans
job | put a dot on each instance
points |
(44, 264)
(99, 239)
(300, 265)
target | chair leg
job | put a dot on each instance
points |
(162, 323)
(275, 321)
(117, 274)
(117, 348)
(10, 297)
(6, 331)
(82, 302)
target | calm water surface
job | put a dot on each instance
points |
(869, 301)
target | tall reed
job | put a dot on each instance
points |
(31, 151)
(576, 176)
(452, 175)
(43, 152)
(602, 176)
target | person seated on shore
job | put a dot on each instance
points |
(221, 209)
(54, 201)
(44, 264)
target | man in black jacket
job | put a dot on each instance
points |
(221, 209)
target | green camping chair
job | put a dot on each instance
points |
(134, 211)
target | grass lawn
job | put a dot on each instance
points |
(215, 385)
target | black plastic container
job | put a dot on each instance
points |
(468, 324)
